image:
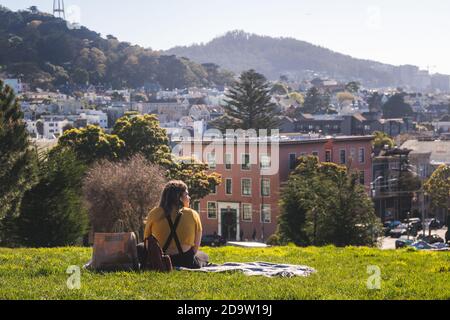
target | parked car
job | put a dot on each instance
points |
(403, 230)
(434, 238)
(213, 241)
(390, 225)
(415, 222)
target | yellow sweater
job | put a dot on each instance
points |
(189, 229)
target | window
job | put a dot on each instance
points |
(265, 161)
(362, 179)
(228, 161)
(343, 157)
(196, 206)
(212, 210)
(229, 186)
(211, 160)
(213, 189)
(245, 162)
(362, 155)
(353, 154)
(246, 187)
(292, 161)
(265, 187)
(328, 156)
(266, 213)
(315, 154)
(247, 214)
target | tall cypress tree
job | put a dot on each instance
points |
(16, 154)
(249, 105)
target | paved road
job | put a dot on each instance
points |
(389, 243)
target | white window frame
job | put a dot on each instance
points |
(243, 212)
(261, 187)
(363, 153)
(231, 161)
(261, 161)
(214, 166)
(242, 187)
(249, 162)
(207, 210)
(270, 213)
(231, 193)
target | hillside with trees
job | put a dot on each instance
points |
(238, 51)
(45, 52)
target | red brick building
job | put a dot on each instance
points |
(245, 205)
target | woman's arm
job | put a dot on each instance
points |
(198, 233)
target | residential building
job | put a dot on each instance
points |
(247, 202)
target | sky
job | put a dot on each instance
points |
(395, 32)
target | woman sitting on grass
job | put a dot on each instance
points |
(182, 247)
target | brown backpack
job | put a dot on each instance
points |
(154, 259)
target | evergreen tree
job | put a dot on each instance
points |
(16, 154)
(316, 102)
(52, 213)
(396, 107)
(324, 204)
(249, 105)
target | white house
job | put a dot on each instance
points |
(95, 117)
(52, 127)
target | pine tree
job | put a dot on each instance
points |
(249, 105)
(16, 154)
(52, 212)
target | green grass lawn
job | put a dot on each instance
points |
(341, 274)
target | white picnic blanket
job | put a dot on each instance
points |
(259, 269)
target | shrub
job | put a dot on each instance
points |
(119, 195)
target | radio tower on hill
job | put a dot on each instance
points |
(58, 9)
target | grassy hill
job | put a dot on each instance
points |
(341, 274)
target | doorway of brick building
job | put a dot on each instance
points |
(229, 221)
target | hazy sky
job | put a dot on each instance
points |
(396, 31)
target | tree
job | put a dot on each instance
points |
(396, 107)
(438, 187)
(279, 89)
(249, 105)
(375, 102)
(381, 141)
(297, 97)
(195, 175)
(324, 204)
(17, 158)
(143, 134)
(316, 102)
(52, 212)
(120, 194)
(91, 144)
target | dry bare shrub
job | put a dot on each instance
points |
(119, 195)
